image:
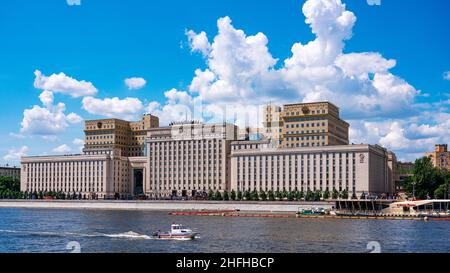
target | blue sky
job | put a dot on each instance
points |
(106, 42)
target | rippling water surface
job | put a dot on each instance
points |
(35, 230)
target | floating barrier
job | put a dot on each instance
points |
(300, 216)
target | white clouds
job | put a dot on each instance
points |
(74, 118)
(73, 2)
(395, 139)
(179, 107)
(47, 120)
(135, 83)
(242, 71)
(127, 108)
(63, 149)
(78, 142)
(14, 155)
(241, 74)
(60, 83)
(447, 75)
(236, 65)
(361, 64)
(198, 42)
(47, 98)
(374, 2)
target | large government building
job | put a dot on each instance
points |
(305, 125)
(303, 147)
(440, 157)
(7, 171)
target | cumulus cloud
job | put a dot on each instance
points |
(179, 107)
(127, 108)
(60, 83)
(74, 2)
(135, 83)
(78, 142)
(198, 42)
(241, 75)
(63, 149)
(47, 120)
(447, 76)
(15, 155)
(374, 2)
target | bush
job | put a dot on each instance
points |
(247, 196)
(271, 196)
(344, 194)
(309, 196)
(255, 195)
(326, 194)
(218, 196)
(226, 197)
(239, 196)
(290, 196)
(263, 196)
(233, 195)
(211, 195)
(317, 195)
(335, 194)
(278, 195)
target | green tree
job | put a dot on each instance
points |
(309, 195)
(335, 194)
(300, 195)
(255, 195)
(248, 196)
(239, 196)
(211, 195)
(271, 195)
(284, 194)
(363, 196)
(226, 196)
(425, 179)
(442, 192)
(317, 195)
(344, 194)
(263, 195)
(290, 196)
(233, 195)
(278, 195)
(218, 196)
(9, 187)
(326, 194)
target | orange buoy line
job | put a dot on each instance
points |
(281, 215)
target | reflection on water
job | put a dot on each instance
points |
(30, 230)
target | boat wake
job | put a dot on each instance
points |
(125, 235)
(130, 235)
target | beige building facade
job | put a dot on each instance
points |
(102, 175)
(122, 138)
(305, 125)
(187, 158)
(122, 158)
(257, 165)
(440, 157)
(13, 172)
(272, 124)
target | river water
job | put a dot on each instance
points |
(49, 231)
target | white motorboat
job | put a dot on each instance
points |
(177, 232)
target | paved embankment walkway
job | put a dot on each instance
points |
(164, 205)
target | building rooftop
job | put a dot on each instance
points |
(310, 103)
